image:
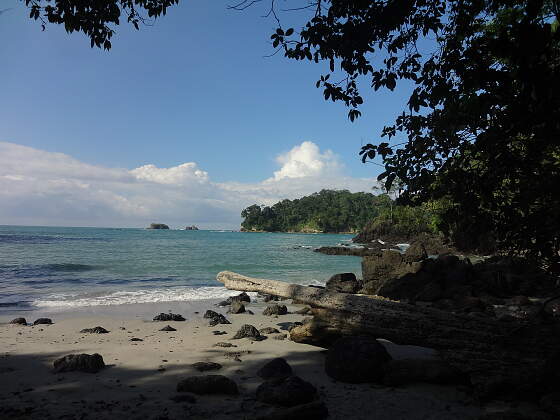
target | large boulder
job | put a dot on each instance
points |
(276, 368)
(248, 331)
(275, 309)
(376, 270)
(90, 363)
(208, 384)
(356, 359)
(168, 317)
(215, 318)
(43, 321)
(415, 252)
(236, 307)
(287, 392)
(343, 283)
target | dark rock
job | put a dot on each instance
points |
(276, 368)
(19, 321)
(316, 410)
(169, 317)
(405, 371)
(43, 321)
(275, 309)
(346, 250)
(90, 363)
(135, 339)
(94, 330)
(415, 252)
(168, 328)
(268, 330)
(209, 314)
(224, 344)
(236, 307)
(303, 311)
(158, 226)
(205, 366)
(219, 332)
(356, 359)
(343, 283)
(248, 331)
(267, 298)
(288, 392)
(280, 337)
(182, 398)
(220, 319)
(242, 297)
(208, 384)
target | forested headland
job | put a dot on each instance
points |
(328, 211)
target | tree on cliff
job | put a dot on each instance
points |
(481, 126)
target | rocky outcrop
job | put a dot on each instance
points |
(346, 250)
(242, 297)
(287, 392)
(19, 321)
(248, 331)
(215, 318)
(193, 227)
(208, 384)
(344, 283)
(356, 360)
(158, 226)
(236, 308)
(43, 321)
(168, 317)
(94, 330)
(90, 363)
(276, 368)
(275, 309)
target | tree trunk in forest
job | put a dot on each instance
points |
(495, 354)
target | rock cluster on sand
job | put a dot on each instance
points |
(242, 297)
(19, 321)
(43, 321)
(168, 317)
(248, 331)
(205, 366)
(215, 318)
(208, 384)
(90, 363)
(276, 368)
(356, 360)
(94, 330)
(286, 391)
(275, 309)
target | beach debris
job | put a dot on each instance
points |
(168, 328)
(90, 363)
(205, 366)
(316, 410)
(19, 321)
(276, 368)
(268, 330)
(280, 336)
(275, 309)
(288, 392)
(43, 321)
(343, 283)
(242, 297)
(94, 330)
(434, 371)
(224, 344)
(135, 339)
(356, 359)
(169, 317)
(236, 308)
(248, 331)
(216, 332)
(182, 398)
(208, 384)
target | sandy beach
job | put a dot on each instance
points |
(141, 376)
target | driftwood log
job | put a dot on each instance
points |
(498, 357)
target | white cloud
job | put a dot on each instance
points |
(39, 187)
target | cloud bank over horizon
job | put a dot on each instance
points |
(46, 188)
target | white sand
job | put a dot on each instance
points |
(132, 387)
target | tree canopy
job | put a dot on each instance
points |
(480, 129)
(326, 211)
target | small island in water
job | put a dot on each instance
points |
(158, 226)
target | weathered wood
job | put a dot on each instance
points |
(494, 354)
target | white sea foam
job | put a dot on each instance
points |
(136, 296)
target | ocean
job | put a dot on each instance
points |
(61, 267)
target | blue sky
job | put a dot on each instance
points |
(195, 87)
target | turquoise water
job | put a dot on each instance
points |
(77, 267)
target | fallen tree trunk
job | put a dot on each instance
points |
(494, 354)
